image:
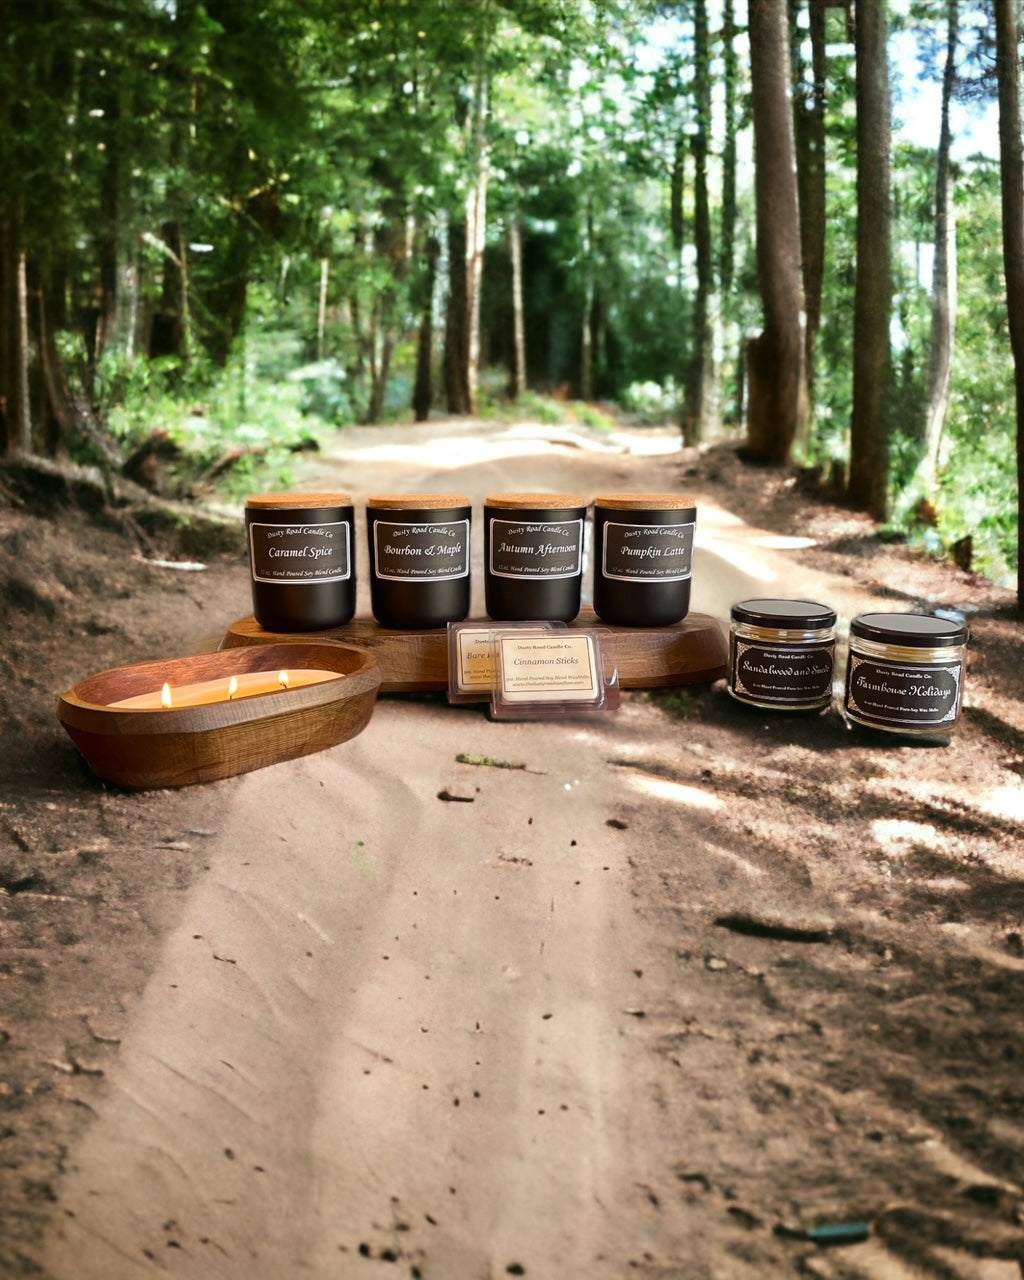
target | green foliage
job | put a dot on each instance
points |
(977, 499)
(241, 408)
(302, 159)
(592, 415)
(531, 406)
(651, 403)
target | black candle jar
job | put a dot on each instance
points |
(419, 559)
(643, 558)
(533, 565)
(300, 559)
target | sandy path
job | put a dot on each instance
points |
(393, 1028)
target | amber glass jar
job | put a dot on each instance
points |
(419, 559)
(300, 559)
(643, 558)
(533, 566)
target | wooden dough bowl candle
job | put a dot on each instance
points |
(251, 707)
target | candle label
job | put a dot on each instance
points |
(436, 552)
(539, 669)
(550, 549)
(300, 553)
(474, 669)
(647, 552)
(893, 693)
(791, 675)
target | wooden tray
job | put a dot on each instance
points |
(176, 746)
(693, 651)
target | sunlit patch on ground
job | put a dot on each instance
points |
(783, 542)
(1004, 802)
(678, 793)
(487, 444)
(897, 835)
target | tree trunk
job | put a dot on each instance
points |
(58, 412)
(476, 230)
(515, 235)
(1012, 178)
(380, 360)
(467, 233)
(869, 434)
(699, 372)
(109, 233)
(24, 427)
(730, 78)
(456, 343)
(169, 332)
(422, 387)
(776, 399)
(321, 309)
(944, 278)
(589, 296)
(810, 144)
(8, 330)
(225, 301)
(735, 411)
(677, 193)
(476, 209)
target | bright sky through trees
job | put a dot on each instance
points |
(917, 102)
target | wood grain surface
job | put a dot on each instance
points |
(693, 651)
(182, 745)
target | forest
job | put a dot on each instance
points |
(227, 228)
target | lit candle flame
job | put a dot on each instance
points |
(232, 687)
(282, 679)
(165, 696)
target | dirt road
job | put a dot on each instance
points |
(651, 995)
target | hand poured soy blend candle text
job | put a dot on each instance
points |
(422, 551)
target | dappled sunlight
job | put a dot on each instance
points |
(734, 860)
(897, 835)
(783, 542)
(449, 451)
(678, 793)
(1004, 802)
(723, 518)
(487, 443)
(735, 559)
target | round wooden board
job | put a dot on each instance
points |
(694, 651)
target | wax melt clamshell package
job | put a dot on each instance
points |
(561, 674)
(472, 670)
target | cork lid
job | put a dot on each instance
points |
(419, 501)
(263, 501)
(537, 501)
(647, 501)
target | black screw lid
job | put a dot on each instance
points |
(789, 615)
(912, 630)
